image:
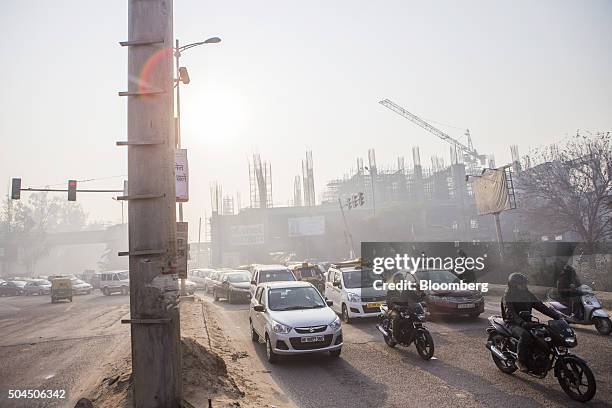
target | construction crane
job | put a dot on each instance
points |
(469, 150)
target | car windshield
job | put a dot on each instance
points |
(359, 278)
(294, 299)
(276, 276)
(239, 277)
(123, 276)
(437, 276)
(76, 281)
(20, 283)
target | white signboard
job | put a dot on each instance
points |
(247, 234)
(306, 226)
(181, 171)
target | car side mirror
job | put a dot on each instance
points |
(329, 303)
(253, 282)
(336, 284)
(259, 308)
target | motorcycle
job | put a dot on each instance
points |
(551, 351)
(591, 311)
(411, 330)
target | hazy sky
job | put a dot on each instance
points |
(297, 75)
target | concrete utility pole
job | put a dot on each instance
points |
(154, 292)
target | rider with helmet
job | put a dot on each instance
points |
(567, 286)
(397, 299)
(517, 299)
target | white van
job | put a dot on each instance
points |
(114, 282)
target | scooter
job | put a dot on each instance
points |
(591, 311)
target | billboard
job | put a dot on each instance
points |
(181, 171)
(252, 234)
(306, 226)
(491, 192)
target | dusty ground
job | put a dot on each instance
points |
(212, 369)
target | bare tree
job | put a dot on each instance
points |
(571, 189)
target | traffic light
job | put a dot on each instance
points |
(16, 189)
(72, 189)
(349, 203)
(361, 199)
(355, 200)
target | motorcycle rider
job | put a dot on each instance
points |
(397, 299)
(517, 299)
(567, 285)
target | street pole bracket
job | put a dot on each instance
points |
(140, 197)
(133, 43)
(142, 93)
(145, 321)
(139, 143)
(142, 252)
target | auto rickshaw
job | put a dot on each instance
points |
(61, 288)
(311, 273)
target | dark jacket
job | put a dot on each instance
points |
(515, 302)
(564, 288)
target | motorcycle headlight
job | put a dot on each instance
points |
(335, 325)
(570, 341)
(353, 297)
(280, 328)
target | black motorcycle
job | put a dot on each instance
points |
(551, 350)
(411, 329)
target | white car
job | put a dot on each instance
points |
(80, 288)
(115, 281)
(350, 289)
(293, 318)
(270, 273)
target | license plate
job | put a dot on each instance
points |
(374, 305)
(466, 306)
(312, 339)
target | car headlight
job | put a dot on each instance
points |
(280, 328)
(335, 325)
(353, 297)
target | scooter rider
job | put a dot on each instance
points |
(567, 288)
(517, 299)
(397, 299)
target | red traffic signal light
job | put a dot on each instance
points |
(72, 189)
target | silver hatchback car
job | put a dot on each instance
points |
(293, 318)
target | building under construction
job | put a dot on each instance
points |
(399, 202)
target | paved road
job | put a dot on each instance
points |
(370, 374)
(57, 346)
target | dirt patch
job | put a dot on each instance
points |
(212, 369)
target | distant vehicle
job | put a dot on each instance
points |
(12, 288)
(234, 286)
(270, 273)
(190, 287)
(450, 302)
(310, 273)
(293, 318)
(80, 288)
(115, 282)
(37, 287)
(209, 281)
(350, 288)
(61, 288)
(198, 276)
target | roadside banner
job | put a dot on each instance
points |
(182, 176)
(247, 234)
(306, 226)
(491, 192)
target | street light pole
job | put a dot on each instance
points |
(177, 121)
